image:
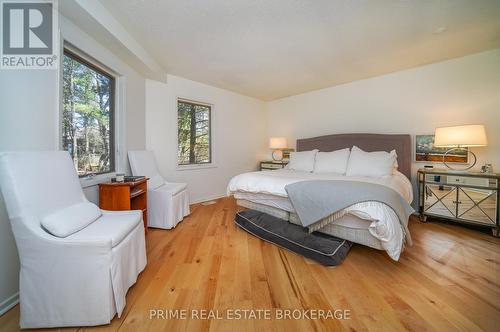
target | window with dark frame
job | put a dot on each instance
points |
(194, 133)
(88, 115)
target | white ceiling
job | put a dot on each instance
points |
(275, 48)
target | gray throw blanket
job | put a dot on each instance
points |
(316, 200)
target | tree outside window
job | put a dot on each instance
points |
(87, 119)
(194, 141)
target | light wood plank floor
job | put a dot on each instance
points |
(448, 281)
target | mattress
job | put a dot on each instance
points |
(282, 203)
(285, 204)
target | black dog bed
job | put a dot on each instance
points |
(325, 249)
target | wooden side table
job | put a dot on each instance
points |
(120, 196)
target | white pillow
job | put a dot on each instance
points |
(302, 161)
(332, 162)
(72, 219)
(372, 164)
(155, 182)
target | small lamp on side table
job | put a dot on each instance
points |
(458, 138)
(277, 143)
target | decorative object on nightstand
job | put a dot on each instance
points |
(487, 168)
(457, 138)
(469, 197)
(120, 177)
(286, 154)
(270, 165)
(277, 143)
(131, 194)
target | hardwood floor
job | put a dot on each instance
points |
(449, 280)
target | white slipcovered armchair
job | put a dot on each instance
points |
(168, 202)
(81, 276)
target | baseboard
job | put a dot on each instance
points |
(208, 198)
(9, 303)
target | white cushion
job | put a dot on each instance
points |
(332, 162)
(112, 225)
(155, 182)
(371, 164)
(302, 161)
(72, 219)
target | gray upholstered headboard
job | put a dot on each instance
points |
(367, 142)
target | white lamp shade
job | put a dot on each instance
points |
(468, 135)
(277, 143)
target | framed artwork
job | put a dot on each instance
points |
(426, 151)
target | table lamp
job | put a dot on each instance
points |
(458, 138)
(277, 143)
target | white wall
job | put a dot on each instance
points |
(460, 91)
(238, 127)
(25, 123)
(29, 115)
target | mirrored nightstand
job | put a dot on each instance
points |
(272, 165)
(471, 198)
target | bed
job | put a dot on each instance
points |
(266, 190)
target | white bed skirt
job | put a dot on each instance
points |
(348, 227)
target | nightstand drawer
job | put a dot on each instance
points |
(470, 181)
(461, 180)
(271, 166)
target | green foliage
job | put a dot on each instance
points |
(87, 117)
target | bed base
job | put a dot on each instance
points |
(356, 235)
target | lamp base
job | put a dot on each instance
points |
(455, 170)
(277, 155)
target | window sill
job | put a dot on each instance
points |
(95, 180)
(194, 167)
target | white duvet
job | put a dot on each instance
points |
(385, 225)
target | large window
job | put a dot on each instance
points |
(87, 119)
(194, 141)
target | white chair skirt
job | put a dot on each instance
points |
(89, 291)
(169, 206)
